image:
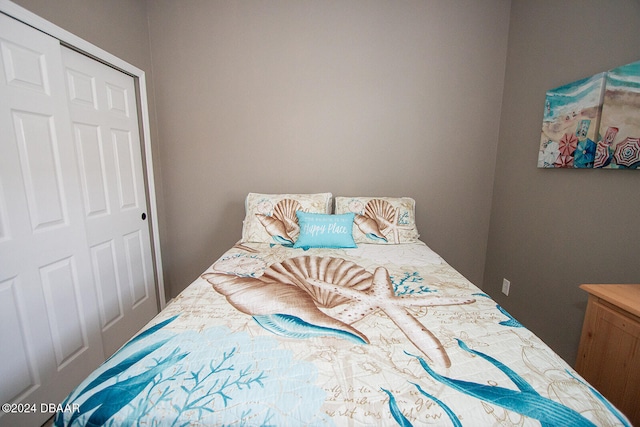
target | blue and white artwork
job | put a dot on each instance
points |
(619, 144)
(570, 124)
(593, 122)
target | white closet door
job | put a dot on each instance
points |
(49, 335)
(102, 104)
(76, 267)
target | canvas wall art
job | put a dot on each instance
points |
(619, 146)
(594, 122)
(570, 124)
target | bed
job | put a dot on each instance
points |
(334, 316)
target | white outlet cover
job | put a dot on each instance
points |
(506, 286)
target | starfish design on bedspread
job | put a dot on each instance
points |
(381, 296)
(288, 297)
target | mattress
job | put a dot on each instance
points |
(374, 335)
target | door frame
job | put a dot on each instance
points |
(74, 42)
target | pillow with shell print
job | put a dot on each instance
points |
(271, 218)
(381, 220)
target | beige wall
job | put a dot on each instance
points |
(117, 26)
(552, 230)
(351, 97)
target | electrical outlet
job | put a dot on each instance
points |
(506, 286)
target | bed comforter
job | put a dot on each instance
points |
(377, 335)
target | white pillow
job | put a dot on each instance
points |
(271, 218)
(381, 220)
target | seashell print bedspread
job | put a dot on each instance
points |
(378, 335)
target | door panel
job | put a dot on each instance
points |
(4, 232)
(138, 274)
(24, 67)
(64, 309)
(20, 375)
(82, 89)
(124, 152)
(103, 113)
(48, 311)
(38, 153)
(108, 283)
(90, 151)
(76, 271)
(118, 100)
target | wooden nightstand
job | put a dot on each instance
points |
(609, 351)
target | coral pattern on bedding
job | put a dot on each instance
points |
(270, 335)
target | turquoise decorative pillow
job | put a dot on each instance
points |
(325, 231)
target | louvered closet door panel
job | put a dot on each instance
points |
(104, 118)
(49, 334)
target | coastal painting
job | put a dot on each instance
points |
(619, 143)
(570, 124)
